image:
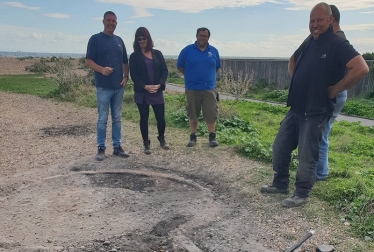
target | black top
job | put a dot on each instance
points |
(139, 72)
(319, 64)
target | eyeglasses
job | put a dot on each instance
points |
(142, 39)
(203, 36)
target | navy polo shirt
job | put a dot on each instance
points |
(107, 51)
(319, 64)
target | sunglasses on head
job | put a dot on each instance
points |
(142, 39)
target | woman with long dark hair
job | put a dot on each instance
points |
(149, 72)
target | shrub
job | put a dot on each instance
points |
(368, 56)
(70, 86)
(276, 95)
(39, 67)
(174, 74)
(25, 58)
(236, 85)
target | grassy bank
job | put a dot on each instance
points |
(250, 128)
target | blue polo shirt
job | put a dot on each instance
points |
(107, 51)
(199, 67)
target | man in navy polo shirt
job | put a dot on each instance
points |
(199, 63)
(318, 69)
(107, 57)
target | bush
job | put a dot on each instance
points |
(39, 67)
(24, 58)
(174, 74)
(368, 56)
(70, 86)
(276, 95)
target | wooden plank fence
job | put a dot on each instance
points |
(275, 71)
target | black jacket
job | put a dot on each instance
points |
(329, 64)
(139, 72)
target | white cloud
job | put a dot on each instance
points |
(192, 6)
(341, 4)
(359, 27)
(367, 12)
(20, 5)
(167, 47)
(18, 38)
(271, 46)
(141, 12)
(195, 6)
(56, 15)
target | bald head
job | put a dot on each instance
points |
(324, 6)
(320, 19)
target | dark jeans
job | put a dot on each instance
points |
(159, 110)
(304, 132)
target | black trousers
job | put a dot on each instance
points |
(159, 111)
(304, 133)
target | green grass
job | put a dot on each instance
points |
(34, 84)
(360, 107)
(175, 80)
(251, 129)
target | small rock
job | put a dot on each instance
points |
(367, 238)
(325, 248)
(57, 248)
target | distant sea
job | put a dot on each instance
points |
(22, 54)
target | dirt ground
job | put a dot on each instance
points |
(55, 197)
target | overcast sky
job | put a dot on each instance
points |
(239, 28)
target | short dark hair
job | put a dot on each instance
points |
(142, 32)
(109, 13)
(202, 29)
(335, 13)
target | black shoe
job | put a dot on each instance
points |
(147, 147)
(192, 141)
(163, 144)
(272, 189)
(294, 201)
(118, 151)
(100, 156)
(212, 140)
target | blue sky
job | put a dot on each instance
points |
(239, 28)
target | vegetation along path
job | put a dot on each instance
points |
(341, 117)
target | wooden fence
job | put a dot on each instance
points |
(275, 71)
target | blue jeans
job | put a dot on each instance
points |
(323, 163)
(302, 132)
(109, 98)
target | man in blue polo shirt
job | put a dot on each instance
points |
(107, 57)
(199, 63)
(318, 69)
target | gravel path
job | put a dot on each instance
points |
(55, 197)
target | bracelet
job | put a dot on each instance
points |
(125, 76)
